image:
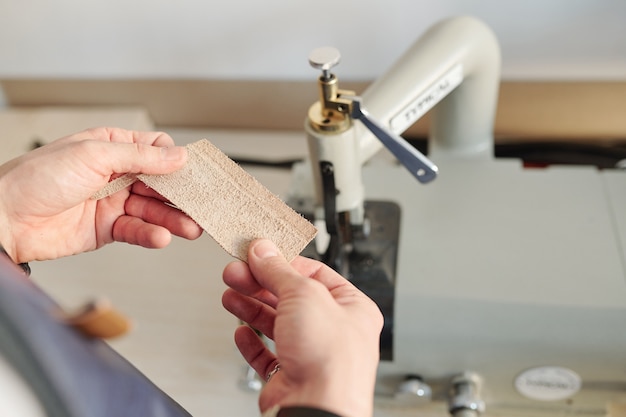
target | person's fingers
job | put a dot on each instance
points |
(249, 310)
(140, 188)
(113, 134)
(238, 276)
(146, 137)
(270, 268)
(273, 272)
(319, 271)
(111, 157)
(135, 231)
(254, 351)
(156, 212)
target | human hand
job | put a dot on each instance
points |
(326, 331)
(46, 211)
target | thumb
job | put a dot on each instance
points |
(139, 158)
(269, 267)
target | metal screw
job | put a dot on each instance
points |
(465, 397)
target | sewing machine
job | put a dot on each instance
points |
(502, 287)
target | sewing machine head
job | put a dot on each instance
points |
(499, 286)
(336, 168)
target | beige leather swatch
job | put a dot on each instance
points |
(227, 202)
(115, 185)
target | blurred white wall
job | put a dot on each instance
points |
(270, 39)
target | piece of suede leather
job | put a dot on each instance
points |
(227, 202)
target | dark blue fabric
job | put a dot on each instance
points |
(304, 412)
(72, 375)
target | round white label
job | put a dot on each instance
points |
(548, 383)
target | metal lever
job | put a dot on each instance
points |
(417, 164)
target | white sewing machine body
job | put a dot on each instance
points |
(517, 275)
(501, 270)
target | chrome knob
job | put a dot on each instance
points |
(324, 58)
(413, 390)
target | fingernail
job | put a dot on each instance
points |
(172, 153)
(265, 249)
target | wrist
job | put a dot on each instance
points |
(7, 249)
(23, 266)
(7, 243)
(351, 397)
